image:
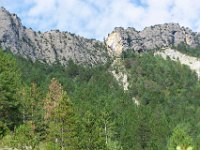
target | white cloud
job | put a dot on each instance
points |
(95, 19)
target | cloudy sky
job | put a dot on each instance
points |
(97, 18)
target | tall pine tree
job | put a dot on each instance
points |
(62, 121)
(9, 91)
(92, 134)
(180, 140)
(53, 96)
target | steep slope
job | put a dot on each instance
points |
(192, 62)
(153, 37)
(50, 46)
(119, 73)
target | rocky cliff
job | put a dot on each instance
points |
(56, 46)
(50, 46)
(153, 37)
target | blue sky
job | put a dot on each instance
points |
(97, 18)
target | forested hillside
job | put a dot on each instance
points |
(52, 107)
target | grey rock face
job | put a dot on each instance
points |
(50, 46)
(157, 36)
(121, 39)
(55, 46)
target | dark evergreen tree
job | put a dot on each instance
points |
(10, 85)
(92, 135)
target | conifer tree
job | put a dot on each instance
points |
(62, 120)
(109, 131)
(53, 96)
(180, 140)
(92, 132)
(9, 91)
(32, 109)
(31, 103)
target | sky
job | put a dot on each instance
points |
(97, 18)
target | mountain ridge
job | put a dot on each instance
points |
(55, 46)
(153, 37)
(49, 47)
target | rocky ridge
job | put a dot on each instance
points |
(55, 46)
(153, 37)
(49, 47)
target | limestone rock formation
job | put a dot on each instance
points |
(121, 39)
(50, 46)
(55, 46)
(153, 37)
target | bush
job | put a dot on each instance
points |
(3, 130)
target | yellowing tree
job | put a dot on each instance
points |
(53, 96)
(61, 118)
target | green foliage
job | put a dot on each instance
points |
(9, 88)
(91, 133)
(167, 93)
(96, 113)
(62, 128)
(114, 145)
(7, 141)
(180, 139)
(3, 130)
(129, 53)
(156, 80)
(184, 48)
(48, 146)
(32, 102)
(24, 136)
